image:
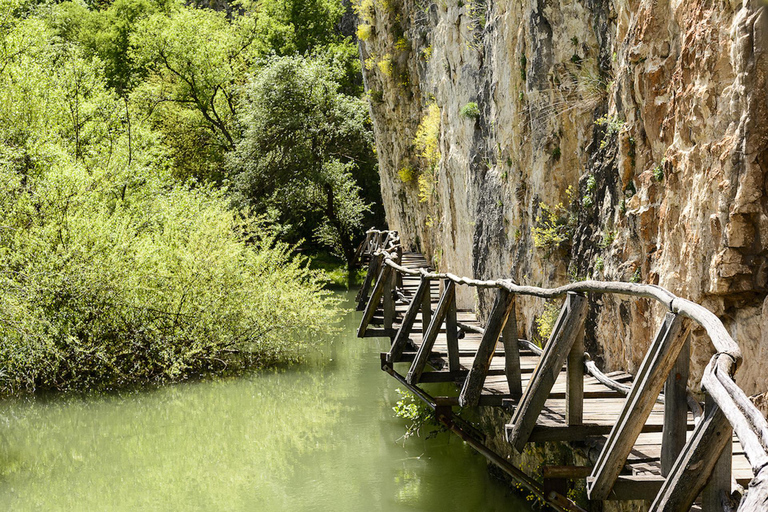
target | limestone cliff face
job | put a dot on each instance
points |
(613, 139)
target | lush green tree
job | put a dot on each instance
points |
(303, 143)
(112, 272)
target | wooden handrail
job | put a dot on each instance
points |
(729, 401)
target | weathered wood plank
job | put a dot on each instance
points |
(569, 323)
(693, 467)
(452, 336)
(636, 487)
(426, 306)
(428, 341)
(401, 338)
(719, 484)
(574, 390)
(675, 410)
(373, 303)
(512, 353)
(658, 362)
(473, 386)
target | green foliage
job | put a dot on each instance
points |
(415, 412)
(636, 277)
(427, 140)
(587, 202)
(113, 271)
(591, 183)
(364, 31)
(407, 174)
(545, 323)
(607, 239)
(554, 227)
(658, 172)
(154, 285)
(611, 126)
(303, 142)
(470, 111)
(556, 154)
(599, 264)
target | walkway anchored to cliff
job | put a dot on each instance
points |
(664, 448)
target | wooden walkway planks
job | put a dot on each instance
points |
(601, 406)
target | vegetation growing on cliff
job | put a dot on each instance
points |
(130, 250)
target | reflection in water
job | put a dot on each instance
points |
(319, 437)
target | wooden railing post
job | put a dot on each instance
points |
(430, 335)
(574, 383)
(378, 291)
(512, 353)
(473, 385)
(401, 338)
(373, 269)
(452, 335)
(695, 464)
(567, 329)
(389, 302)
(675, 411)
(719, 483)
(658, 363)
(426, 306)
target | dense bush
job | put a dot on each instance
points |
(113, 272)
(99, 291)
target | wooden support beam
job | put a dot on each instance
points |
(569, 323)
(373, 304)
(401, 338)
(428, 341)
(694, 466)
(542, 433)
(512, 353)
(373, 270)
(452, 336)
(574, 384)
(636, 487)
(675, 410)
(389, 299)
(426, 307)
(658, 362)
(473, 386)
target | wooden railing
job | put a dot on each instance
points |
(698, 466)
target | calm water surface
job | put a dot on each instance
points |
(316, 438)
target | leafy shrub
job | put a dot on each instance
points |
(415, 412)
(545, 323)
(553, 227)
(470, 111)
(407, 174)
(158, 285)
(364, 32)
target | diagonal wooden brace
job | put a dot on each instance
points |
(430, 335)
(568, 327)
(473, 386)
(658, 362)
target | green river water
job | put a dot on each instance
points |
(320, 437)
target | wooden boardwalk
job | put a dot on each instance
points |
(546, 400)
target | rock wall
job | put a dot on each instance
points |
(612, 139)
